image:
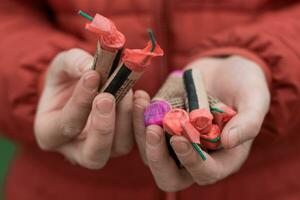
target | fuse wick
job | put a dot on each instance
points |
(85, 15)
(152, 38)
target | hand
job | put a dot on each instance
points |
(74, 120)
(238, 82)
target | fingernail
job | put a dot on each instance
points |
(104, 106)
(233, 137)
(153, 139)
(181, 147)
(90, 81)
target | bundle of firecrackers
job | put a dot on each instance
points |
(119, 67)
(182, 107)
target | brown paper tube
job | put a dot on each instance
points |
(198, 106)
(134, 63)
(104, 62)
(121, 81)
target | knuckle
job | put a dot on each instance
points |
(73, 51)
(93, 165)
(59, 57)
(172, 186)
(42, 145)
(104, 127)
(90, 161)
(236, 169)
(206, 182)
(76, 57)
(209, 179)
(83, 102)
(189, 160)
(41, 142)
(70, 131)
(253, 126)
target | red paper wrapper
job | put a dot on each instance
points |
(222, 118)
(191, 133)
(212, 139)
(109, 36)
(173, 120)
(138, 59)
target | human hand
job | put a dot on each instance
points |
(238, 82)
(74, 120)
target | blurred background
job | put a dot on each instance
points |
(7, 149)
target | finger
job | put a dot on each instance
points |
(72, 63)
(142, 94)
(252, 108)
(76, 111)
(97, 147)
(141, 101)
(59, 127)
(123, 138)
(216, 167)
(203, 171)
(166, 173)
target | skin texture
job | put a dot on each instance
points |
(238, 82)
(74, 120)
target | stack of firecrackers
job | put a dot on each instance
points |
(119, 68)
(182, 107)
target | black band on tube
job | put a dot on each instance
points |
(115, 62)
(190, 90)
(118, 80)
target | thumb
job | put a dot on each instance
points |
(252, 107)
(242, 127)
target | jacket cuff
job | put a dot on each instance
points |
(230, 51)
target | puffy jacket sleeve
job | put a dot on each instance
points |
(28, 42)
(273, 41)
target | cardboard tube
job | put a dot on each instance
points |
(198, 106)
(105, 62)
(121, 81)
(109, 46)
(221, 112)
(134, 62)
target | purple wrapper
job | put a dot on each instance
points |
(155, 112)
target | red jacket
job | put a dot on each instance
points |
(32, 32)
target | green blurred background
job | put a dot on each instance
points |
(7, 150)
